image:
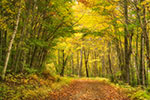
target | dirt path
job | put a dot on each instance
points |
(88, 90)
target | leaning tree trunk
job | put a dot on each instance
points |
(10, 45)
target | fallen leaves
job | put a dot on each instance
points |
(88, 90)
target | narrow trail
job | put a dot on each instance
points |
(88, 90)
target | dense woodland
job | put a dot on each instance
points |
(85, 38)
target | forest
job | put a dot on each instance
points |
(74, 49)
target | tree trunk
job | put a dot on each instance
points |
(33, 56)
(77, 66)
(127, 71)
(86, 58)
(137, 61)
(10, 45)
(72, 64)
(58, 61)
(1, 47)
(64, 63)
(146, 38)
(110, 64)
(103, 67)
(4, 45)
(19, 51)
(95, 63)
(132, 71)
(80, 68)
(142, 61)
(120, 59)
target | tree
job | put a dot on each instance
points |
(11, 43)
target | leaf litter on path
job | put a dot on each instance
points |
(88, 90)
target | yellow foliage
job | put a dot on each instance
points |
(34, 77)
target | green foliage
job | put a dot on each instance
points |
(37, 42)
(37, 93)
(140, 95)
(61, 81)
(4, 90)
(135, 93)
(41, 23)
(30, 70)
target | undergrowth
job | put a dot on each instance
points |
(30, 87)
(38, 87)
(134, 93)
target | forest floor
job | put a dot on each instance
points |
(40, 87)
(88, 90)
